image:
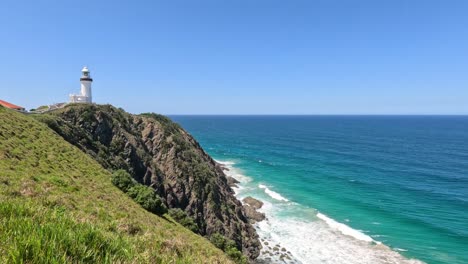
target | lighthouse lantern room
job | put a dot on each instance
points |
(85, 96)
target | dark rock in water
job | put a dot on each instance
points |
(251, 205)
(232, 182)
(256, 204)
(222, 167)
(267, 260)
(159, 153)
(253, 215)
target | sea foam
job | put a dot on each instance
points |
(236, 174)
(316, 242)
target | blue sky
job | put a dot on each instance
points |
(240, 57)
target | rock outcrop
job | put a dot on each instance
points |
(251, 206)
(232, 182)
(256, 204)
(160, 154)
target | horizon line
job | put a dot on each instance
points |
(460, 115)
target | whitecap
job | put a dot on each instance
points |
(400, 249)
(273, 194)
(344, 229)
(226, 163)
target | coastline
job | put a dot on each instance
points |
(315, 238)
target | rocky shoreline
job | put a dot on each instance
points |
(250, 204)
(270, 252)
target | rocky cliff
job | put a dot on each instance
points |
(160, 154)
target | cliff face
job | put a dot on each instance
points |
(159, 153)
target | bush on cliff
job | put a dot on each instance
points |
(147, 198)
(182, 218)
(123, 180)
(229, 247)
(143, 195)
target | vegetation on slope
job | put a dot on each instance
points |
(58, 205)
(228, 246)
(142, 194)
(182, 218)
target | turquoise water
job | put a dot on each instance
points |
(402, 181)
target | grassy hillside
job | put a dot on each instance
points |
(57, 205)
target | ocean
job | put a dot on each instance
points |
(349, 189)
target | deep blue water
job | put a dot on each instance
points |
(402, 180)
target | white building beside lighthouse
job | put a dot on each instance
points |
(85, 96)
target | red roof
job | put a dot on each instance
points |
(11, 106)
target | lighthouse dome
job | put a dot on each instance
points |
(85, 75)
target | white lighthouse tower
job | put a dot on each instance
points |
(86, 95)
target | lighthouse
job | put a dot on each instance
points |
(86, 84)
(85, 96)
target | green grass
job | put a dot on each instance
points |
(41, 235)
(58, 205)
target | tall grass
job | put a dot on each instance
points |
(35, 234)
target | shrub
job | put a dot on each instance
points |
(143, 195)
(123, 180)
(147, 198)
(229, 247)
(182, 218)
(218, 240)
(234, 254)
